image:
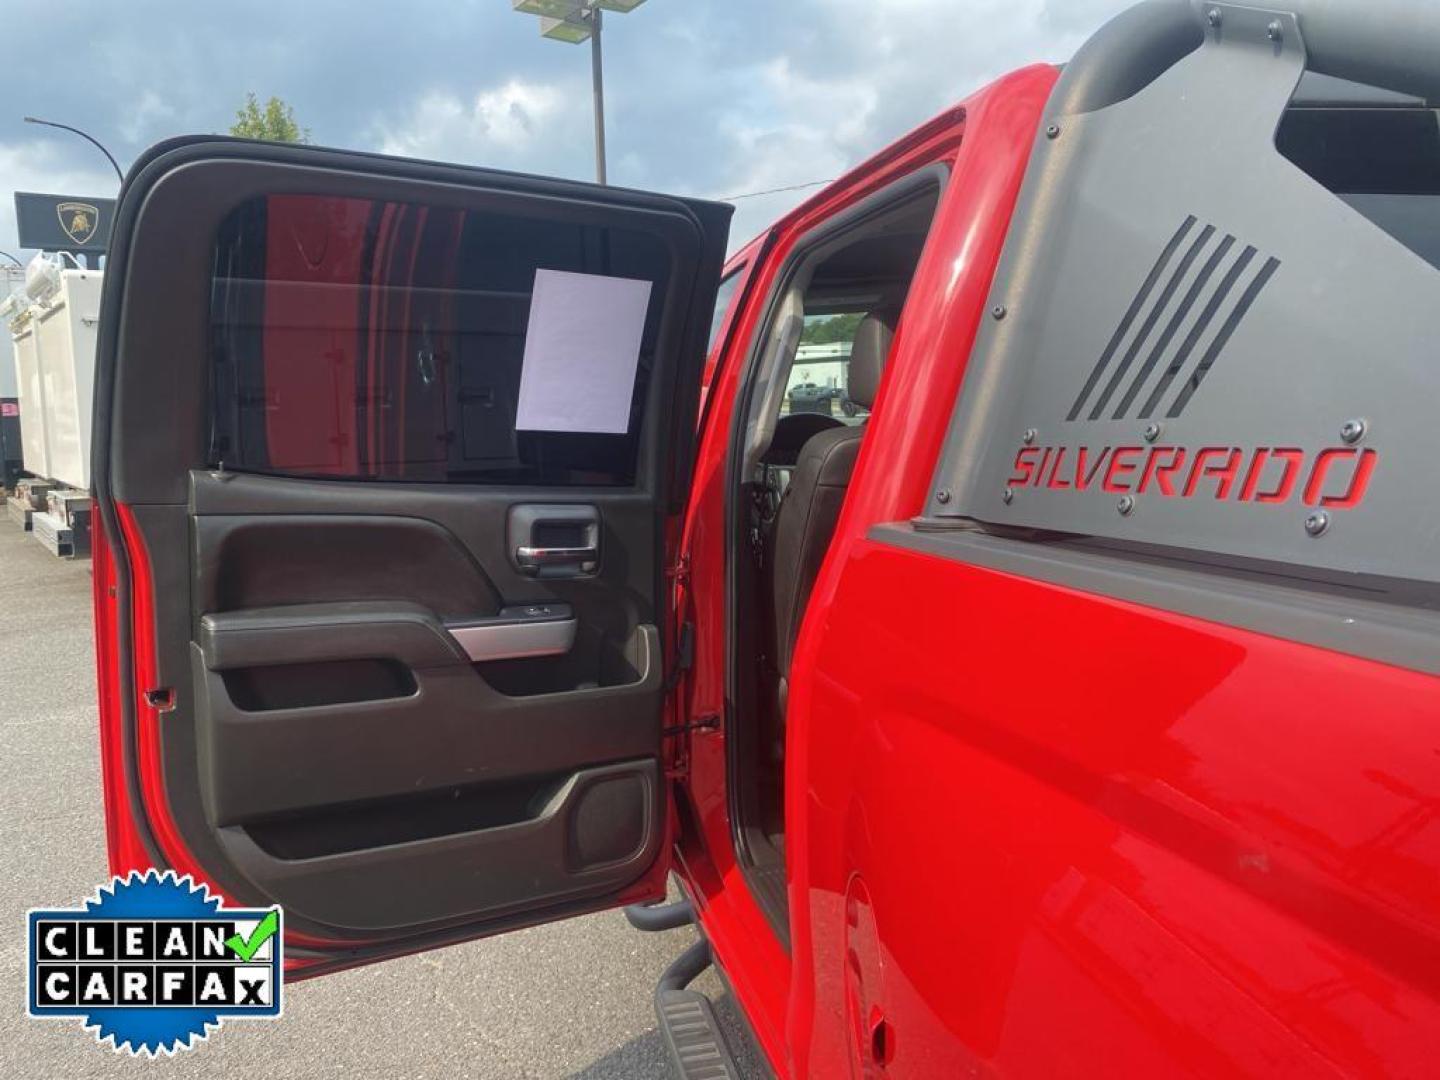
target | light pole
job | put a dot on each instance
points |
(91, 138)
(573, 21)
(597, 92)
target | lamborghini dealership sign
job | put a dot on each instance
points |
(64, 222)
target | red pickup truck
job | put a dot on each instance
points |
(1072, 708)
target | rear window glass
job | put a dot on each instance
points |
(1361, 151)
(723, 296)
(820, 374)
(380, 340)
(1383, 162)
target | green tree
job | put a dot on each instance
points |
(835, 328)
(274, 121)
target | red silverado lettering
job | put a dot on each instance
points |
(1336, 477)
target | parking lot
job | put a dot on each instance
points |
(569, 1000)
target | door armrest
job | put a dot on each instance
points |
(314, 633)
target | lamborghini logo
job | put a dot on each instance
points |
(78, 219)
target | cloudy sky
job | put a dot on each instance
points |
(706, 97)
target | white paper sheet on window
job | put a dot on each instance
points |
(582, 347)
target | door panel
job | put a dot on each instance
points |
(533, 843)
(383, 695)
(329, 680)
(248, 560)
(452, 729)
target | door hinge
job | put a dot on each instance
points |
(707, 722)
(680, 572)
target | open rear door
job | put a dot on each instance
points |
(386, 456)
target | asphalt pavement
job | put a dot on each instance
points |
(568, 1000)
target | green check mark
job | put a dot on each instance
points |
(245, 948)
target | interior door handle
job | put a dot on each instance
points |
(555, 540)
(537, 558)
(517, 632)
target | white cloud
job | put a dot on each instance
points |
(877, 69)
(717, 97)
(842, 103)
(150, 113)
(505, 125)
(39, 165)
(1082, 16)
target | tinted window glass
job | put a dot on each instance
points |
(820, 376)
(723, 296)
(1384, 162)
(383, 340)
(1364, 151)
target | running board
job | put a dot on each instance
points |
(651, 917)
(687, 1020)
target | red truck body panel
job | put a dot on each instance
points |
(1059, 833)
(1068, 834)
(986, 142)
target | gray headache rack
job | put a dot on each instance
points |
(1194, 344)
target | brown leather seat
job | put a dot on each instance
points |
(810, 508)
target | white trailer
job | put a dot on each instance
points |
(31, 394)
(54, 335)
(11, 280)
(65, 334)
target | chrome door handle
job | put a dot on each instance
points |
(518, 632)
(554, 540)
(534, 559)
